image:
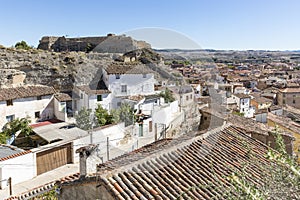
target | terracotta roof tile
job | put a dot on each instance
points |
(63, 97)
(241, 95)
(25, 91)
(123, 68)
(99, 88)
(43, 188)
(177, 167)
(290, 90)
(8, 152)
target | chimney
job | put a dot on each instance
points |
(84, 153)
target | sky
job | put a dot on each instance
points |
(187, 24)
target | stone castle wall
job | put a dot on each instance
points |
(106, 44)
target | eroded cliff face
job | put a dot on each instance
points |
(60, 70)
(63, 70)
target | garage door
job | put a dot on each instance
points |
(53, 158)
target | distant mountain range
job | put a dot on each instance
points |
(214, 50)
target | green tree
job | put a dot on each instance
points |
(167, 95)
(22, 45)
(17, 126)
(124, 113)
(102, 116)
(84, 119)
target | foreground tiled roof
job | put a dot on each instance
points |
(25, 91)
(194, 168)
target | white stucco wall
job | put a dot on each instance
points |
(136, 84)
(186, 99)
(262, 117)
(164, 115)
(114, 132)
(82, 102)
(60, 110)
(20, 169)
(244, 104)
(90, 101)
(277, 112)
(26, 107)
(105, 103)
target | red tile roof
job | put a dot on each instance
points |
(51, 121)
(24, 92)
(290, 90)
(125, 68)
(18, 152)
(63, 97)
(174, 167)
(99, 88)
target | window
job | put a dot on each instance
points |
(9, 102)
(191, 96)
(117, 76)
(99, 97)
(39, 97)
(124, 88)
(119, 104)
(144, 75)
(294, 101)
(283, 101)
(62, 107)
(10, 118)
(187, 97)
(37, 114)
(81, 96)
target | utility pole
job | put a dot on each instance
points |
(107, 146)
(155, 131)
(10, 186)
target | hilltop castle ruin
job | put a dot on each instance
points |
(110, 43)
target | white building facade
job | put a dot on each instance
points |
(19, 166)
(127, 80)
(243, 104)
(32, 102)
(89, 97)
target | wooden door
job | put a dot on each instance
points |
(53, 158)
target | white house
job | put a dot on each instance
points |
(184, 94)
(89, 96)
(62, 106)
(243, 104)
(17, 164)
(124, 80)
(32, 101)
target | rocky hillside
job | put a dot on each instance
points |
(62, 70)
